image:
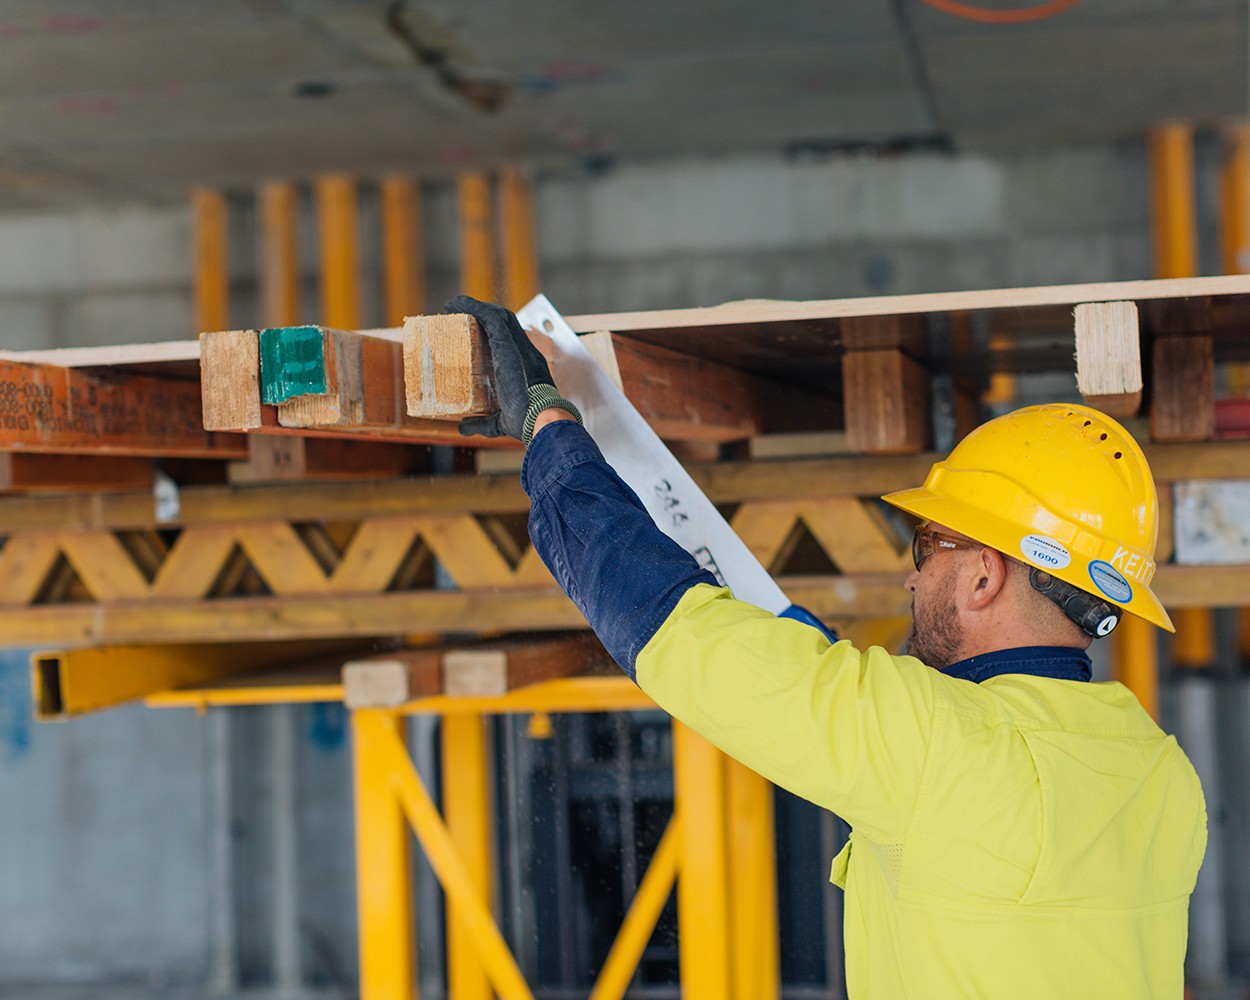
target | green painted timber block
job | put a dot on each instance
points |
(292, 362)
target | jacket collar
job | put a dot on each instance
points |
(1065, 663)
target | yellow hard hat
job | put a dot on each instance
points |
(1061, 487)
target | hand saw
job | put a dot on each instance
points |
(673, 499)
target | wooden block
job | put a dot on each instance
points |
(500, 668)
(447, 373)
(1182, 404)
(1108, 357)
(277, 457)
(887, 402)
(31, 473)
(230, 380)
(326, 365)
(393, 680)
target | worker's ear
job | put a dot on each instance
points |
(988, 576)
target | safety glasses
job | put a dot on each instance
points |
(925, 542)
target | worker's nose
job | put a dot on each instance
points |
(912, 580)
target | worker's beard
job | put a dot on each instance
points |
(936, 637)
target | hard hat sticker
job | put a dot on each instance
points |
(1044, 551)
(1108, 579)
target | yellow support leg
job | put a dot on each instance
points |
(1135, 661)
(520, 252)
(279, 255)
(477, 248)
(639, 924)
(753, 864)
(340, 257)
(383, 861)
(703, 888)
(403, 279)
(466, 809)
(208, 208)
(443, 853)
(1172, 200)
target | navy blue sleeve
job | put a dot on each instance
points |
(592, 531)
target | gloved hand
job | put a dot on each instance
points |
(523, 382)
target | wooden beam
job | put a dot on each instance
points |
(886, 396)
(1183, 388)
(499, 667)
(47, 408)
(230, 380)
(447, 368)
(392, 680)
(22, 472)
(1108, 357)
(275, 458)
(685, 398)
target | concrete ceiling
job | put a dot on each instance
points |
(143, 98)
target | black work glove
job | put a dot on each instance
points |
(523, 382)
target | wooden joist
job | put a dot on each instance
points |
(885, 387)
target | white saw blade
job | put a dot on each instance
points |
(635, 451)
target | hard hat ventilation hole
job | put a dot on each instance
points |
(1087, 423)
(1118, 454)
(1102, 437)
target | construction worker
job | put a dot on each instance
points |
(1019, 832)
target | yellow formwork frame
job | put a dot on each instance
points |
(477, 247)
(520, 254)
(339, 247)
(403, 272)
(718, 848)
(466, 810)
(208, 209)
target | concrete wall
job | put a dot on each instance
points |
(103, 872)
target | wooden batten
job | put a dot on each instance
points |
(447, 372)
(1108, 356)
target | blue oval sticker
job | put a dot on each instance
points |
(1109, 580)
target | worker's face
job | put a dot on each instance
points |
(936, 634)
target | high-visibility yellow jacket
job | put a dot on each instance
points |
(1021, 837)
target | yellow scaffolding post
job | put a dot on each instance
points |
(466, 811)
(752, 863)
(520, 253)
(1135, 661)
(279, 254)
(703, 903)
(340, 258)
(208, 209)
(403, 278)
(1172, 200)
(477, 249)
(383, 862)
(640, 920)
